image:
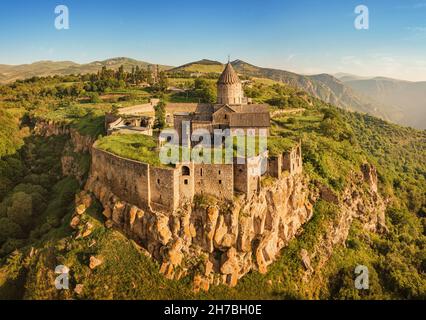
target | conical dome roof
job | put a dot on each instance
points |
(228, 76)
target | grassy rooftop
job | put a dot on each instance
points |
(132, 146)
(144, 148)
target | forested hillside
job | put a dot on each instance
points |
(37, 201)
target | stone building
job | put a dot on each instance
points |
(232, 110)
(129, 123)
(229, 87)
(167, 188)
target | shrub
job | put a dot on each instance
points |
(9, 229)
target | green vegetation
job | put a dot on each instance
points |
(279, 145)
(160, 116)
(36, 202)
(137, 147)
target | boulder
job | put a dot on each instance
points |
(75, 222)
(306, 260)
(163, 232)
(79, 289)
(95, 262)
(200, 283)
(230, 262)
(80, 209)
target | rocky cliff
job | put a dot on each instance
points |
(48, 128)
(214, 242)
(78, 145)
(360, 200)
(218, 243)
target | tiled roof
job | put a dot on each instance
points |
(228, 76)
(249, 120)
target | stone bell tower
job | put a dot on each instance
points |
(229, 87)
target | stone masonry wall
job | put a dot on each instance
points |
(127, 179)
(215, 179)
(164, 188)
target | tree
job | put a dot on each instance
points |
(205, 90)
(21, 210)
(93, 97)
(115, 109)
(9, 230)
(160, 115)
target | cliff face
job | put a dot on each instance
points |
(216, 243)
(50, 128)
(72, 163)
(75, 148)
(360, 200)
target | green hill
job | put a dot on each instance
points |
(202, 66)
(10, 73)
(401, 104)
(37, 203)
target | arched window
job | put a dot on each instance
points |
(186, 171)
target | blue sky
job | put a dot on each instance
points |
(305, 36)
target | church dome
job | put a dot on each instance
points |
(228, 76)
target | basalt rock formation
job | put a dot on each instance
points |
(216, 242)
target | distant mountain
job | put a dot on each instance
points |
(398, 101)
(322, 86)
(342, 76)
(407, 97)
(10, 73)
(202, 66)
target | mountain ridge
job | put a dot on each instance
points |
(350, 92)
(11, 73)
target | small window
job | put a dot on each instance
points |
(220, 181)
(158, 181)
(225, 116)
(186, 171)
(201, 172)
(185, 181)
(220, 172)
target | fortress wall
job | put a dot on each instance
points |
(127, 179)
(215, 179)
(186, 182)
(254, 173)
(164, 186)
(241, 178)
(292, 160)
(275, 166)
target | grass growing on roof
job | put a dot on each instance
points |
(132, 146)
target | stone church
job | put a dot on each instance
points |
(232, 110)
